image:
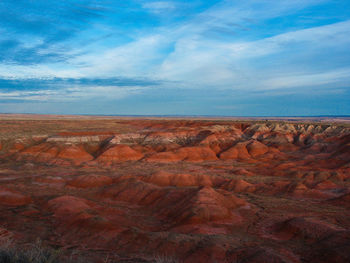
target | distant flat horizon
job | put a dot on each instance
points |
(338, 118)
(180, 115)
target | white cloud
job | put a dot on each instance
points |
(58, 70)
(72, 93)
(159, 6)
(203, 61)
(308, 80)
(200, 60)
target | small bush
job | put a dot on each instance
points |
(165, 259)
(39, 253)
(35, 253)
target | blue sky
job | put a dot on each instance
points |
(138, 57)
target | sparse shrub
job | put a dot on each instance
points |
(165, 259)
(39, 253)
(35, 253)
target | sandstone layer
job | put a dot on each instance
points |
(185, 190)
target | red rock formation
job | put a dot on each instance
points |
(119, 153)
(90, 181)
(190, 154)
(75, 154)
(309, 229)
(51, 180)
(256, 148)
(205, 205)
(9, 197)
(238, 151)
(42, 153)
(165, 157)
(326, 184)
(279, 192)
(67, 205)
(5, 236)
(50, 153)
(197, 154)
(238, 186)
(168, 179)
(342, 200)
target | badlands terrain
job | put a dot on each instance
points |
(177, 190)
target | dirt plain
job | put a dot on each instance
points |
(187, 190)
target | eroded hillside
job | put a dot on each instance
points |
(194, 191)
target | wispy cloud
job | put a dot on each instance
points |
(74, 93)
(72, 89)
(90, 48)
(250, 64)
(160, 6)
(36, 31)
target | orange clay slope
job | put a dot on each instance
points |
(185, 190)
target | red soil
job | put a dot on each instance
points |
(119, 153)
(47, 153)
(74, 153)
(167, 179)
(238, 151)
(10, 197)
(256, 148)
(195, 191)
(68, 205)
(308, 229)
(90, 181)
(190, 154)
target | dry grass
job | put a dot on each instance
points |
(35, 253)
(39, 253)
(165, 259)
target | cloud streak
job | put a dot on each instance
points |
(64, 51)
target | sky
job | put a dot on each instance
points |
(195, 57)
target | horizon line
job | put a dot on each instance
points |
(184, 115)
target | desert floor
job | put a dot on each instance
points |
(180, 189)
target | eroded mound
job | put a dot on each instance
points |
(163, 178)
(309, 229)
(238, 151)
(51, 153)
(9, 197)
(119, 153)
(66, 206)
(190, 154)
(205, 205)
